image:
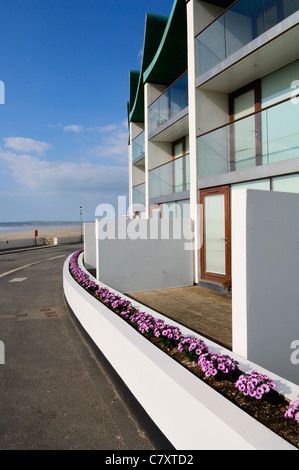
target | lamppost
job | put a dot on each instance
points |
(81, 223)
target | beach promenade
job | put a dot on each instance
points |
(55, 393)
(23, 235)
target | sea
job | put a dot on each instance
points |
(9, 227)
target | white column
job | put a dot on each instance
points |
(239, 272)
(146, 147)
(194, 208)
(131, 172)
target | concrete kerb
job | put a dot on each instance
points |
(33, 248)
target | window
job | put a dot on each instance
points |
(181, 165)
(287, 184)
(245, 147)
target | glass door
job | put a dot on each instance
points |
(215, 250)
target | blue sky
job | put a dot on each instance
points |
(63, 127)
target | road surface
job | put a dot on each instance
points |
(54, 394)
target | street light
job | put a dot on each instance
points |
(81, 223)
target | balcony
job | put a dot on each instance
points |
(170, 106)
(244, 28)
(139, 194)
(170, 178)
(138, 146)
(269, 136)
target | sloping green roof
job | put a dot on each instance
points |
(134, 76)
(170, 60)
(164, 55)
(154, 28)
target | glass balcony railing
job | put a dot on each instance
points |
(170, 103)
(243, 22)
(138, 146)
(270, 136)
(139, 194)
(173, 177)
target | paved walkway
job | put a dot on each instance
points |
(207, 312)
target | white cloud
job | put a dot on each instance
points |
(33, 173)
(114, 144)
(22, 144)
(73, 128)
(102, 129)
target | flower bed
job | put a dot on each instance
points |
(254, 393)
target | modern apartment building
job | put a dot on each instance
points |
(214, 108)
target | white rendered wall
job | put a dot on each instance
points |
(170, 394)
(7, 244)
(265, 276)
(159, 153)
(139, 259)
(89, 245)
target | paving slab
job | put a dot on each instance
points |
(203, 310)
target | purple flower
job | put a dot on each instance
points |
(192, 347)
(211, 363)
(293, 410)
(254, 384)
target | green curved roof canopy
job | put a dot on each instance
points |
(164, 55)
(170, 60)
(154, 28)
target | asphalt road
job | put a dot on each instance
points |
(55, 394)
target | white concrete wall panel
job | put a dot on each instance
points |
(139, 259)
(265, 274)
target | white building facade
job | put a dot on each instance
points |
(213, 109)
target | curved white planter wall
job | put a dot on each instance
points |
(190, 414)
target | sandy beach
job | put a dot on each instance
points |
(47, 232)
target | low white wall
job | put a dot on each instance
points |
(89, 245)
(139, 255)
(190, 413)
(24, 243)
(62, 240)
(265, 276)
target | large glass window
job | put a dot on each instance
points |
(213, 153)
(280, 133)
(277, 86)
(244, 131)
(169, 104)
(263, 185)
(177, 209)
(287, 184)
(263, 129)
(139, 194)
(138, 146)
